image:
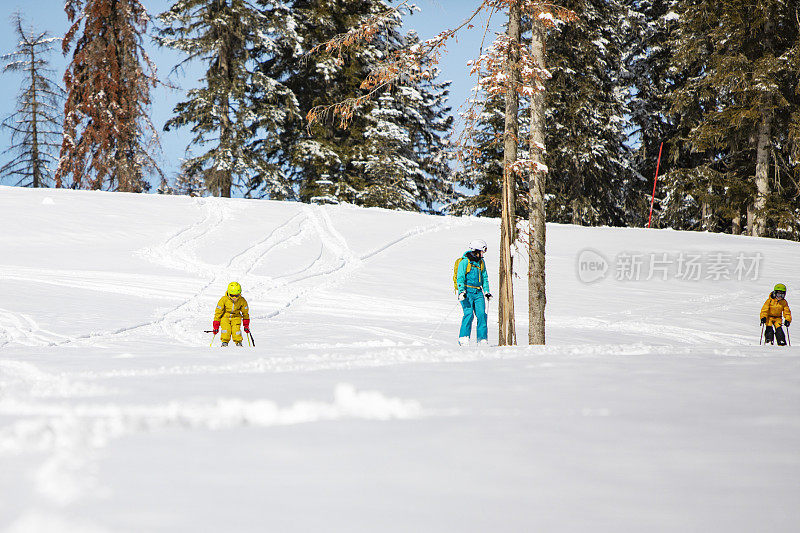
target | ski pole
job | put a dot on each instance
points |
(212, 339)
(248, 339)
(444, 319)
(252, 339)
(788, 338)
(762, 335)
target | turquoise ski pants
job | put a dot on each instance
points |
(474, 305)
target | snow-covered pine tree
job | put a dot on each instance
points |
(189, 185)
(35, 125)
(741, 128)
(108, 137)
(321, 155)
(665, 109)
(391, 153)
(586, 107)
(404, 163)
(238, 113)
(482, 162)
(648, 73)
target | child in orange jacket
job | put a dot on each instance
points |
(773, 310)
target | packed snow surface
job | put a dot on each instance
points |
(651, 408)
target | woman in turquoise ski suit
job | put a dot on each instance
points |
(472, 285)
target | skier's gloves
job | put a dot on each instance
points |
(246, 324)
(461, 296)
(787, 322)
(488, 296)
(216, 327)
(763, 320)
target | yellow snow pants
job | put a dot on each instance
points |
(228, 326)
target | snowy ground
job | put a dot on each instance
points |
(652, 408)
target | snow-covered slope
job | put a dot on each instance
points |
(652, 408)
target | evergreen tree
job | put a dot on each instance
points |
(189, 185)
(108, 137)
(739, 107)
(35, 126)
(391, 154)
(239, 111)
(649, 73)
(483, 162)
(687, 181)
(588, 160)
(404, 162)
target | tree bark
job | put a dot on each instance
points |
(221, 180)
(35, 163)
(224, 177)
(536, 217)
(576, 205)
(707, 216)
(736, 222)
(763, 152)
(762, 170)
(751, 219)
(507, 331)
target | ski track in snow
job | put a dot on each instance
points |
(335, 263)
(122, 283)
(20, 328)
(69, 433)
(645, 328)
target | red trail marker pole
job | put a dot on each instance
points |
(653, 197)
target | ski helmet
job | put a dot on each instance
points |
(780, 287)
(478, 245)
(234, 289)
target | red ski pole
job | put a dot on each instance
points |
(653, 197)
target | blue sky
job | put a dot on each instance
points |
(48, 15)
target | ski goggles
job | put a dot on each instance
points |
(779, 295)
(234, 295)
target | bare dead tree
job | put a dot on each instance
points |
(35, 125)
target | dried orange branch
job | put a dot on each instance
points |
(408, 63)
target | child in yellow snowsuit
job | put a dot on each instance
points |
(230, 314)
(775, 308)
